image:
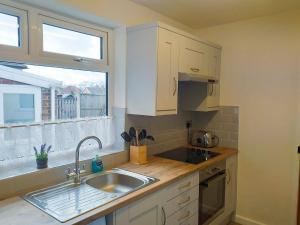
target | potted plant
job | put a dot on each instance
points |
(42, 156)
(138, 147)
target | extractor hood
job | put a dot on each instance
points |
(197, 78)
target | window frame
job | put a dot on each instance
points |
(8, 51)
(22, 89)
(71, 61)
(32, 33)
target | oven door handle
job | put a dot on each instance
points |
(213, 180)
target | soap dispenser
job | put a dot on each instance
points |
(97, 164)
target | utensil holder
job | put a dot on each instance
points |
(138, 154)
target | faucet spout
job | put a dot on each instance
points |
(77, 167)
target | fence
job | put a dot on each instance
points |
(66, 108)
(90, 106)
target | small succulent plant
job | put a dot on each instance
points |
(42, 154)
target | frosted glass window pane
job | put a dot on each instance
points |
(9, 30)
(18, 108)
(64, 41)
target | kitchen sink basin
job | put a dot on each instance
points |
(68, 200)
(117, 182)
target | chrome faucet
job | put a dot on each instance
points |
(76, 172)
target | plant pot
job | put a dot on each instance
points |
(138, 154)
(41, 164)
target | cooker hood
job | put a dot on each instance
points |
(197, 78)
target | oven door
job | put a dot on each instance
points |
(211, 198)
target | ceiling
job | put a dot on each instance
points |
(204, 13)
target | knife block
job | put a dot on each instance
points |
(138, 154)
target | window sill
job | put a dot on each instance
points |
(11, 170)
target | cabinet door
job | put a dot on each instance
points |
(231, 185)
(167, 71)
(214, 62)
(193, 57)
(213, 89)
(147, 211)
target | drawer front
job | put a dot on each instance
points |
(191, 221)
(184, 214)
(182, 185)
(181, 200)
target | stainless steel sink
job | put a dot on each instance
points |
(118, 182)
(68, 200)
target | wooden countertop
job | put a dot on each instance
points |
(15, 210)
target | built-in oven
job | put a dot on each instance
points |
(212, 192)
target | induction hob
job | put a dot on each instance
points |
(189, 155)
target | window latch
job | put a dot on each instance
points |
(79, 60)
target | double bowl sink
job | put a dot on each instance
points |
(68, 200)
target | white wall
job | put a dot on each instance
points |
(260, 71)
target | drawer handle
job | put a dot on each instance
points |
(164, 216)
(196, 70)
(185, 216)
(185, 185)
(175, 86)
(185, 201)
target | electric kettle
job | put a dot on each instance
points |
(205, 139)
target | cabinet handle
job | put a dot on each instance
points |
(164, 216)
(196, 70)
(211, 91)
(185, 216)
(228, 176)
(175, 86)
(185, 185)
(185, 201)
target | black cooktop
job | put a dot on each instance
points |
(189, 155)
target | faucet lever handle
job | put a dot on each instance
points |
(83, 169)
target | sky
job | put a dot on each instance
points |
(68, 76)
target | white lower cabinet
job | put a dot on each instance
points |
(146, 211)
(175, 204)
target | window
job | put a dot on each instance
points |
(78, 44)
(18, 108)
(81, 94)
(53, 90)
(9, 30)
(19, 103)
(13, 30)
(71, 43)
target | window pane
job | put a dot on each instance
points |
(81, 94)
(9, 30)
(63, 41)
(18, 108)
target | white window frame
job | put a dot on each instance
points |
(22, 89)
(6, 50)
(72, 61)
(33, 52)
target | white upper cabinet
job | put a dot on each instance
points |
(193, 57)
(167, 76)
(214, 62)
(152, 71)
(156, 54)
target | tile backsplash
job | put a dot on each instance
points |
(223, 123)
(170, 131)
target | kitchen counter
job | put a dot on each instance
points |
(15, 210)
